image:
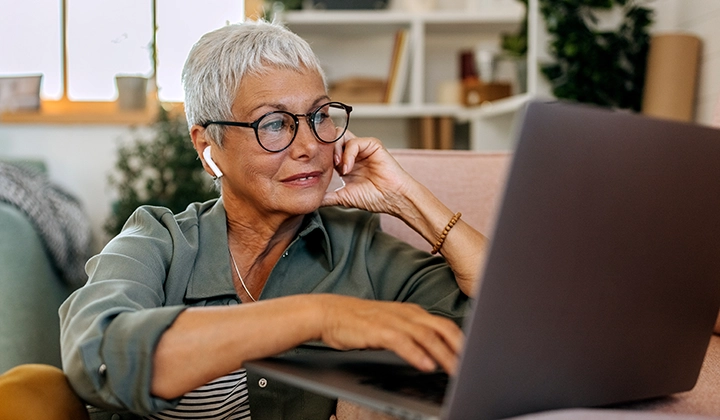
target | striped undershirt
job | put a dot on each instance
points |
(224, 398)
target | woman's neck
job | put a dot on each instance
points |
(257, 241)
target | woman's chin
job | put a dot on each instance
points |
(306, 203)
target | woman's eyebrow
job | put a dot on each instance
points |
(283, 107)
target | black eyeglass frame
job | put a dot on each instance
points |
(309, 117)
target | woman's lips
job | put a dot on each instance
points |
(303, 178)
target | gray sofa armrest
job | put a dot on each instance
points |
(30, 294)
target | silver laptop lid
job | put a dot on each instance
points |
(603, 279)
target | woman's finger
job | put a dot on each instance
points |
(408, 330)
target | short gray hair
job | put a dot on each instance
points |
(221, 58)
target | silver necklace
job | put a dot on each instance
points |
(240, 277)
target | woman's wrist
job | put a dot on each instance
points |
(424, 213)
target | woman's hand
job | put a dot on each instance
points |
(374, 181)
(423, 340)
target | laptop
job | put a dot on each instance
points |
(602, 283)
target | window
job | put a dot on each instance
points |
(180, 24)
(30, 38)
(105, 38)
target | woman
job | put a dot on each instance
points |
(160, 319)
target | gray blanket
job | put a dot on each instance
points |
(57, 216)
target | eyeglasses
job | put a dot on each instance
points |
(276, 130)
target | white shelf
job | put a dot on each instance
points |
(358, 43)
(438, 22)
(461, 113)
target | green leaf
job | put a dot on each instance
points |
(159, 169)
(604, 68)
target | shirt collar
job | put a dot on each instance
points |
(314, 223)
(211, 276)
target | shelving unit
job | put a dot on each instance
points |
(359, 43)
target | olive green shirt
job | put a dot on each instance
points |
(162, 263)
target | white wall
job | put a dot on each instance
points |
(81, 157)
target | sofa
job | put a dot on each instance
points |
(30, 294)
(31, 287)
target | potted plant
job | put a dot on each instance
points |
(159, 167)
(595, 63)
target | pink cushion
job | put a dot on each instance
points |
(466, 181)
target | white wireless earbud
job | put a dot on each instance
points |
(211, 163)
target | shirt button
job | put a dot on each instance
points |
(102, 369)
(285, 254)
(262, 382)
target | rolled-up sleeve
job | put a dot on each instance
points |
(111, 326)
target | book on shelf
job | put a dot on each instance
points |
(431, 132)
(398, 75)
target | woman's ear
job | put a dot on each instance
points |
(203, 147)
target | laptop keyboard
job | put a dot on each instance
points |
(418, 385)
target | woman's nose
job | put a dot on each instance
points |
(305, 136)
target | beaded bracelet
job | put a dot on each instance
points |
(443, 235)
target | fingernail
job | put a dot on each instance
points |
(344, 169)
(429, 364)
(337, 160)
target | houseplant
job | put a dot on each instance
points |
(595, 63)
(158, 167)
(515, 45)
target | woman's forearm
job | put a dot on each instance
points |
(464, 247)
(208, 342)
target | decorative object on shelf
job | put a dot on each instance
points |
(479, 93)
(475, 91)
(20, 93)
(160, 167)
(358, 90)
(487, 65)
(594, 63)
(132, 92)
(671, 78)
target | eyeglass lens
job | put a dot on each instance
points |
(276, 130)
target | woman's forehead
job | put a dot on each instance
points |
(280, 88)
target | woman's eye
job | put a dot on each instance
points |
(272, 124)
(321, 117)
